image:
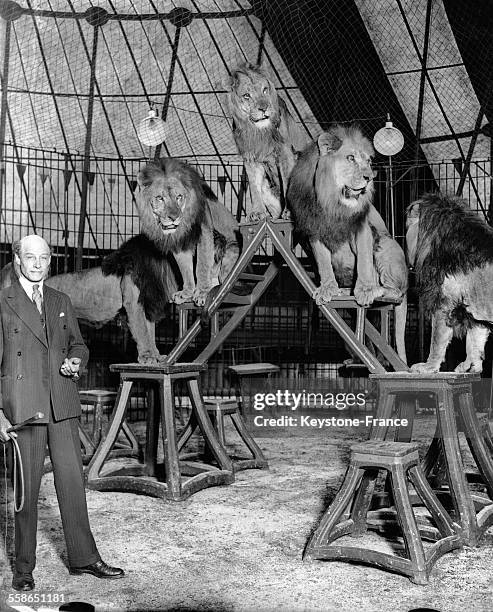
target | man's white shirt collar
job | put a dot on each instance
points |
(28, 285)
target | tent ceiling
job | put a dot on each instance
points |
(50, 67)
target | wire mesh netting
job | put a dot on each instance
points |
(79, 76)
(331, 61)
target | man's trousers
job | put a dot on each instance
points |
(64, 446)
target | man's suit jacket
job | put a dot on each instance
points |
(30, 356)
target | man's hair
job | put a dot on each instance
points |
(17, 245)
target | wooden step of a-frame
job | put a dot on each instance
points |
(233, 298)
(247, 276)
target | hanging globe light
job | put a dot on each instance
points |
(388, 140)
(152, 130)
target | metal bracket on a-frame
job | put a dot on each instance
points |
(280, 234)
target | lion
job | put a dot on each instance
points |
(136, 277)
(451, 248)
(330, 195)
(181, 215)
(267, 138)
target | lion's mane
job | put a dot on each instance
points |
(150, 270)
(189, 230)
(256, 144)
(313, 194)
(452, 239)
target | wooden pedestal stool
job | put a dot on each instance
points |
(103, 400)
(251, 369)
(401, 460)
(218, 409)
(174, 478)
(455, 412)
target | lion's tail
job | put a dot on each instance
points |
(230, 257)
(226, 252)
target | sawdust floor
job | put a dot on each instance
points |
(238, 547)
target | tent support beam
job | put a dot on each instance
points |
(422, 82)
(87, 152)
(4, 106)
(169, 86)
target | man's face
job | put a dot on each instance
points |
(34, 259)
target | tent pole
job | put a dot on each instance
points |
(87, 151)
(7, 25)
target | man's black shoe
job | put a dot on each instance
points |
(99, 569)
(23, 582)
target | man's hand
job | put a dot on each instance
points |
(4, 425)
(70, 367)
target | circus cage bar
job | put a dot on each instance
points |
(77, 187)
(41, 195)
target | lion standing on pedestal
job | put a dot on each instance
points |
(182, 216)
(330, 195)
(451, 248)
(267, 138)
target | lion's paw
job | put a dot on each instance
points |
(200, 296)
(475, 367)
(367, 294)
(148, 357)
(326, 292)
(185, 295)
(257, 216)
(392, 294)
(425, 368)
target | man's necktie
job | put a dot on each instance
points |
(38, 300)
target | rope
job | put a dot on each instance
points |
(18, 477)
(5, 483)
(20, 471)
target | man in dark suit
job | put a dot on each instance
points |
(41, 353)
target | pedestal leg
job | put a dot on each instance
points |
(106, 445)
(456, 476)
(86, 444)
(407, 522)
(252, 446)
(187, 431)
(152, 432)
(475, 440)
(218, 424)
(407, 410)
(437, 511)
(97, 428)
(320, 537)
(385, 404)
(364, 496)
(210, 437)
(171, 461)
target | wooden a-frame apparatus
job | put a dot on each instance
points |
(280, 234)
(143, 479)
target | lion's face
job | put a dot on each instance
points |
(171, 201)
(253, 98)
(344, 170)
(354, 175)
(167, 197)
